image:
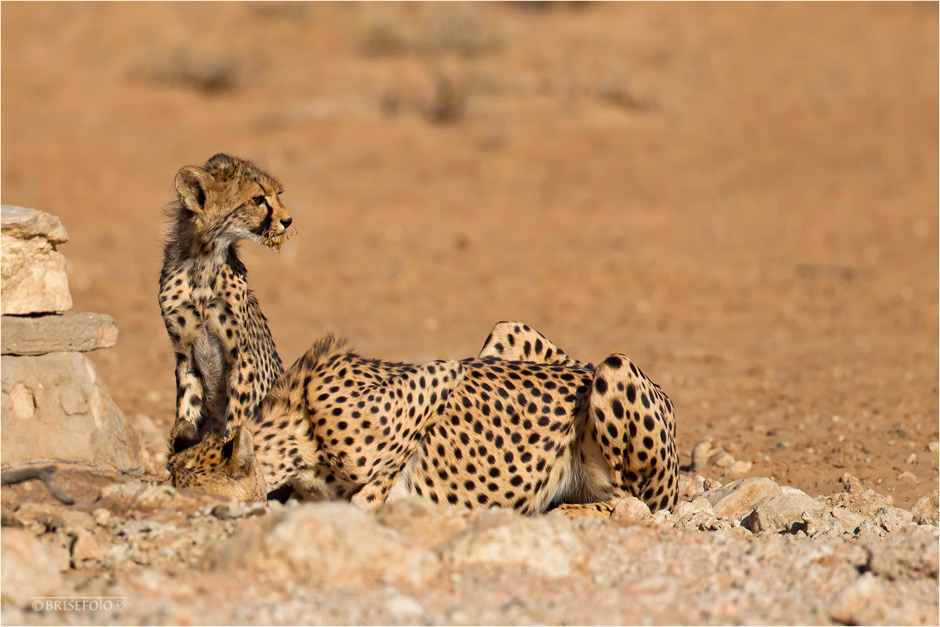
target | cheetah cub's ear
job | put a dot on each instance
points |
(192, 185)
(239, 450)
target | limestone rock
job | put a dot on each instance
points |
(781, 512)
(926, 508)
(122, 498)
(701, 455)
(630, 511)
(899, 557)
(57, 406)
(833, 521)
(888, 520)
(690, 486)
(33, 271)
(866, 502)
(29, 568)
(422, 521)
(738, 498)
(862, 602)
(326, 545)
(545, 545)
(72, 331)
(85, 548)
(869, 600)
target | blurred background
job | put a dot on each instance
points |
(742, 197)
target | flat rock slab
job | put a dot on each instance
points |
(57, 407)
(32, 270)
(57, 333)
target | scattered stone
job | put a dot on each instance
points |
(781, 512)
(238, 509)
(737, 499)
(546, 545)
(701, 454)
(29, 568)
(852, 485)
(925, 510)
(886, 521)
(740, 467)
(907, 477)
(711, 484)
(85, 547)
(422, 521)
(837, 521)
(933, 447)
(865, 502)
(33, 271)
(723, 460)
(865, 601)
(102, 517)
(57, 333)
(76, 519)
(690, 486)
(122, 498)
(630, 511)
(56, 406)
(328, 545)
(910, 557)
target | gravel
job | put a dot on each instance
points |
(747, 552)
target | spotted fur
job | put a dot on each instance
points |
(484, 432)
(226, 360)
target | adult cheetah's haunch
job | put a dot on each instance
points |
(225, 357)
(479, 432)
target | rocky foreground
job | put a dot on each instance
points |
(747, 552)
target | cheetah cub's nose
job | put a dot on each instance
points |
(286, 222)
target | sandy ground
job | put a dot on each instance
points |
(743, 198)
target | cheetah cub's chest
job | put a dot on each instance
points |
(202, 319)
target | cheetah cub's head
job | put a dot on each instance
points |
(231, 199)
(223, 465)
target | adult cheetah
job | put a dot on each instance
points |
(226, 360)
(492, 431)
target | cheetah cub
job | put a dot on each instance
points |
(226, 360)
(523, 426)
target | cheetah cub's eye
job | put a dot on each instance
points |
(259, 200)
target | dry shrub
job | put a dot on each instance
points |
(206, 72)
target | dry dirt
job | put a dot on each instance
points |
(741, 197)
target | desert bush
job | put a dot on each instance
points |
(445, 29)
(207, 72)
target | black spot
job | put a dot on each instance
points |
(617, 407)
(600, 385)
(631, 393)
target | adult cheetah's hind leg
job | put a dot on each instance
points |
(632, 422)
(517, 341)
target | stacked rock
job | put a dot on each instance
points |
(55, 406)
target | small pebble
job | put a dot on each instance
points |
(740, 467)
(102, 516)
(907, 477)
